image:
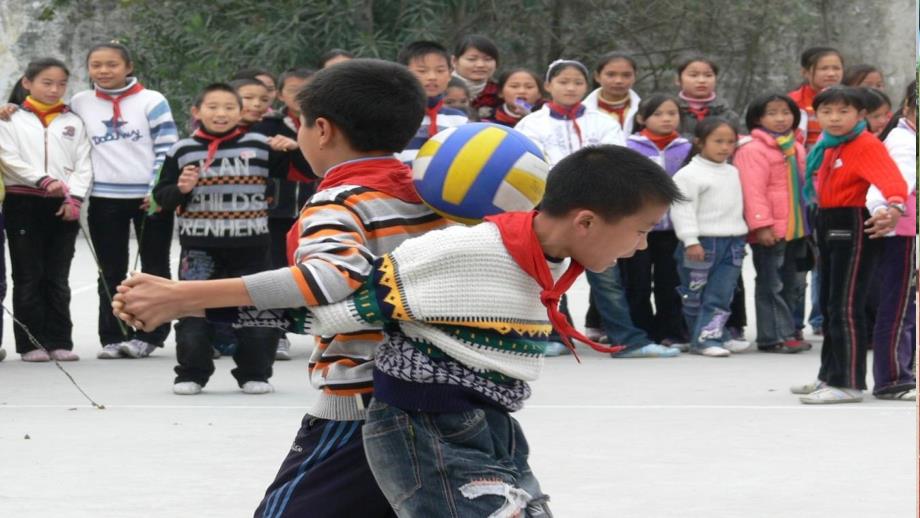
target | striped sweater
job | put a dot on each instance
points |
(127, 154)
(342, 231)
(446, 117)
(465, 324)
(228, 207)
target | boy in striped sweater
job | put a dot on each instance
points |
(364, 207)
(216, 182)
(467, 312)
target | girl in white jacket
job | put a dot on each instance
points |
(564, 125)
(616, 74)
(45, 160)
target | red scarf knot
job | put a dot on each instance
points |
(214, 142)
(571, 113)
(116, 100)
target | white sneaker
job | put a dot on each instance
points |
(807, 388)
(832, 395)
(737, 346)
(680, 346)
(110, 351)
(137, 348)
(257, 387)
(284, 350)
(186, 388)
(594, 333)
(713, 351)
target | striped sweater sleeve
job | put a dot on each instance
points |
(163, 133)
(331, 260)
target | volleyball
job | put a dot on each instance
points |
(472, 171)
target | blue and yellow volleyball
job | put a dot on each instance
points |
(472, 171)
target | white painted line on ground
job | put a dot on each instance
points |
(864, 408)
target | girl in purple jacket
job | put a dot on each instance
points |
(653, 271)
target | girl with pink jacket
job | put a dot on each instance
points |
(772, 167)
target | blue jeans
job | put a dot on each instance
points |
(707, 287)
(816, 318)
(777, 290)
(455, 465)
(610, 300)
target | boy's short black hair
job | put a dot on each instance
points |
(334, 53)
(420, 49)
(216, 87)
(377, 105)
(612, 181)
(758, 108)
(846, 95)
(298, 72)
(252, 73)
(875, 99)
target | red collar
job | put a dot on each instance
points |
(385, 174)
(660, 141)
(116, 100)
(520, 239)
(214, 142)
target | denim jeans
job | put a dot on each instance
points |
(707, 287)
(776, 291)
(816, 317)
(455, 465)
(610, 300)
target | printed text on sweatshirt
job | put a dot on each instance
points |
(127, 153)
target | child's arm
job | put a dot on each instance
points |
(163, 133)
(167, 192)
(903, 154)
(82, 176)
(754, 172)
(683, 215)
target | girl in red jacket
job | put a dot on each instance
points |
(844, 163)
(772, 168)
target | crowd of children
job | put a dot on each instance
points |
(821, 179)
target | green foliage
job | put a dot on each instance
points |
(181, 46)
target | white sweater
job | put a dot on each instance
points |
(126, 159)
(590, 102)
(715, 206)
(29, 152)
(557, 138)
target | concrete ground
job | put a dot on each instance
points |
(684, 437)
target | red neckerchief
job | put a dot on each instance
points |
(520, 239)
(214, 142)
(572, 113)
(43, 115)
(385, 174)
(699, 113)
(433, 114)
(503, 117)
(115, 100)
(660, 141)
(618, 109)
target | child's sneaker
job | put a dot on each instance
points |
(793, 346)
(257, 387)
(2, 354)
(832, 395)
(807, 388)
(137, 348)
(554, 349)
(36, 355)
(713, 351)
(680, 346)
(110, 351)
(284, 350)
(736, 346)
(63, 355)
(902, 395)
(186, 388)
(594, 333)
(647, 351)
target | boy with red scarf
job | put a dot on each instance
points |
(355, 116)
(448, 375)
(429, 62)
(216, 179)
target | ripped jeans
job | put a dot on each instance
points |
(706, 288)
(457, 465)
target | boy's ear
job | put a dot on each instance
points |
(583, 219)
(195, 111)
(326, 131)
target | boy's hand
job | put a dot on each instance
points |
(282, 143)
(188, 179)
(882, 222)
(55, 189)
(7, 111)
(765, 236)
(695, 253)
(70, 209)
(146, 301)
